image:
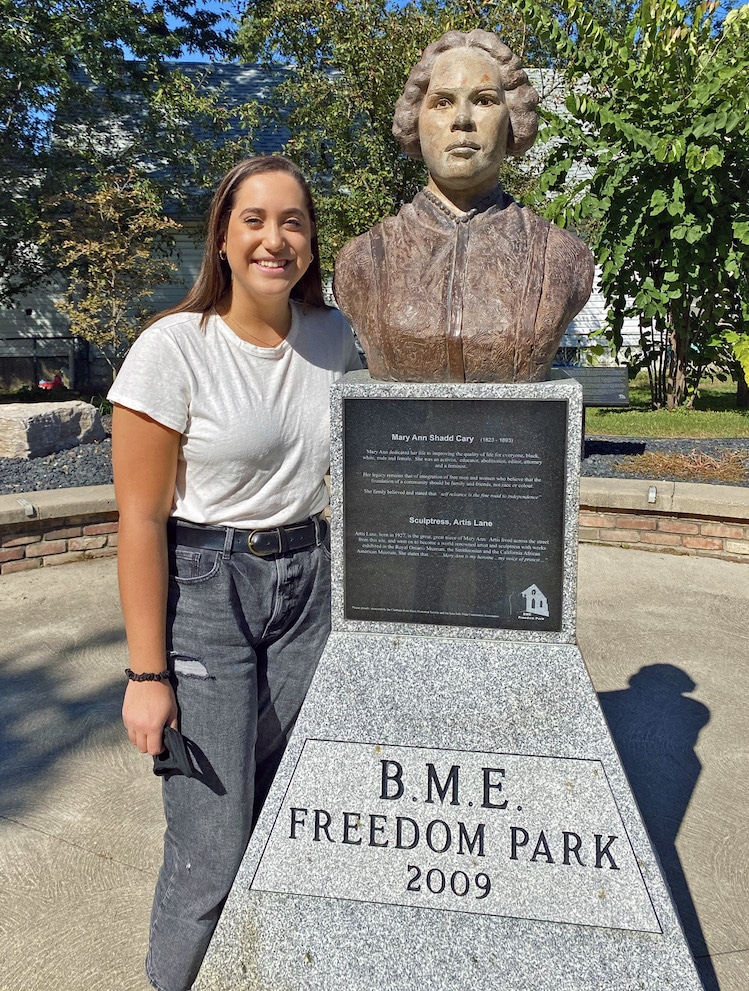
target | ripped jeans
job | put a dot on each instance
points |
(244, 638)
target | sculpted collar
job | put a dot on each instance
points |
(425, 201)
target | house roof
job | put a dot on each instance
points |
(123, 110)
(240, 84)
(119, 115)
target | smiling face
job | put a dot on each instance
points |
(268, 241)
(463, 125)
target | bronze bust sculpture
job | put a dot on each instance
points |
(463, 284)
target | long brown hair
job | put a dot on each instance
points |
(214, 278)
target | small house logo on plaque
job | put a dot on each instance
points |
(535, 603)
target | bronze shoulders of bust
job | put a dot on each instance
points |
(483, 298)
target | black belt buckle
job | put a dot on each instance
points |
(256, 543)
(285, 539)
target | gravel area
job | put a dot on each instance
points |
(621, 457)
(605, 457)
(89, 464)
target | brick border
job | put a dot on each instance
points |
(65, 525)
(78, 540)
(672, 517)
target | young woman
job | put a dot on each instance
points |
(221, 445)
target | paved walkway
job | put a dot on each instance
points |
(667, 645)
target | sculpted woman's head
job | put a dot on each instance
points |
(486, 62)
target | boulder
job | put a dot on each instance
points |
(31, 430)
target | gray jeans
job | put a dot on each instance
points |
(244, 638)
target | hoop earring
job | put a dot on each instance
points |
(222, 255)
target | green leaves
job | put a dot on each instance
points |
(658, 202)
(50, 55)
(741, 231)
(657, 128)
(111, 245)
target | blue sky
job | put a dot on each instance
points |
(229, 9)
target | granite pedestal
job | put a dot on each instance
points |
(451, 812)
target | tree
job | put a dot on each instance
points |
(651, 164)
(112, 248)
(58, 60)
(348, 62)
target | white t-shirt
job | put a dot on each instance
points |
(254, 421)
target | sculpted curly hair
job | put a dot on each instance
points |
(521, 98)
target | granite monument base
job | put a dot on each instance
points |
(451, 812)
(449, 815)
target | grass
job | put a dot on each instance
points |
(714, 415)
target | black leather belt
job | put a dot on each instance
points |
(261, 543)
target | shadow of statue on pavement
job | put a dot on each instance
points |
(655, 728)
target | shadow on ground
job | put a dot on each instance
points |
(655, 728)
(46, 713)
(613, 446)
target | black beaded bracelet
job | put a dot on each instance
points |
(147, 675)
